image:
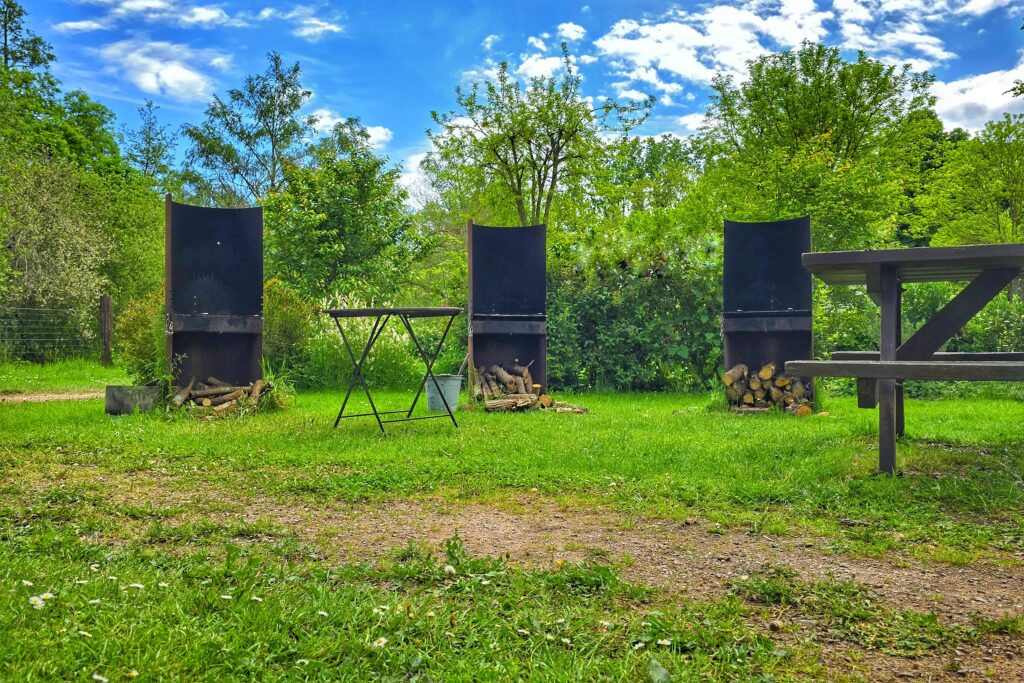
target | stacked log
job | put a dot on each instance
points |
(766, 389)
(219, 397)
(510, 388)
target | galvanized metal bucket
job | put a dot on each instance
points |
(451, 385)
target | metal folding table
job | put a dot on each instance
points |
(381, 317)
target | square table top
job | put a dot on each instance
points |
(916, 264)
(411, 312)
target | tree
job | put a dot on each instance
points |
(337, 228)
(977, 196)
(248, 138)
(809, 132)
(521, 148)
(22, 50)
(150, 147)
(1018, 85)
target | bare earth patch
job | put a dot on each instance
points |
(42, 398)
(684, 559)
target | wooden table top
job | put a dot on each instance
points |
(918, 264)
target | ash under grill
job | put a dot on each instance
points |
(507, 303)
(214, 293)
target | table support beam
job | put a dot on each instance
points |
(889, 297)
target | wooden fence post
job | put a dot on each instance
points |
(106, 329)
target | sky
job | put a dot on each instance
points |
(391, 62)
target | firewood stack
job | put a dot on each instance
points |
(217, 396)
(510, 388)
(767, 388)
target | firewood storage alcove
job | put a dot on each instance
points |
(507, 303)
(213, 293)
(766, 317)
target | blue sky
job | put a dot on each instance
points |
(391, 62)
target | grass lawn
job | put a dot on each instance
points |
(238, 549)
(74, 375)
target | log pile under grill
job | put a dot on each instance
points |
(760, 391)
(510, 388)
(217, 397)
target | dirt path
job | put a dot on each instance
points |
(42, 398)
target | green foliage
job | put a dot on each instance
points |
(519, 149)
(637, 320)
(977, 195)
(239, 153)
(139, 338)
(287, 324)
(338, 230)
(810, 133)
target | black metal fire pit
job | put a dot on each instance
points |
(507, 305)
(213, 293)
(766, 294)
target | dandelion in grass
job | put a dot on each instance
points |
(566, 642)
(379, 643)
(665, 642)
(162, 584)
(449, 570)
(639, 645)
(37, 602)
(47, 596)
(101, 679)
(380, 610)
(85, 634)
(560, 562)
(26, 582)
(549, 636)
(523, 632)
(131, 674)
(430, 613)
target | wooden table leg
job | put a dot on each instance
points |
(900, 421)
(889, 297)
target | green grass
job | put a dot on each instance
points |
(63, 376)
(66, 526)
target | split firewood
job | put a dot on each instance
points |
(799, 409)
(737, 372)
(748, 398)
(181, 395)
(755, 383)
(216, 391)
(527, 379)
(493, 385)
(214, 382)
(783, 381)
(205, 402)
(512, 403)
(502, 376)
(520, 386)
(521, 370)
(760, 403)
(777, 394)
(767, 371)
(227, 398)
(733, 393)
(257, 389)
(545, 400)
(225, 406)
(799, 389)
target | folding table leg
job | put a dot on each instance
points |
(429, 362)
(357, 366)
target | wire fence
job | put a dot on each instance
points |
(42, 335)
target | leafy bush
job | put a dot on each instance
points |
(287, 324)
(139, 338)
(637, 322)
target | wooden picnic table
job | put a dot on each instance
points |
(988, 269)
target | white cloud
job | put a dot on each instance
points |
(489, 41)
(980, 7)
(972, 101)
(587, 59)
(163, 68)
(313, 29)
(537, 65)
(204, 16)
(631, 94)
(691, 122)
(536, 43)
(80, 26)
(380, 136)
(570, 31)
(326, 119)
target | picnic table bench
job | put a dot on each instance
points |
(987, 268)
